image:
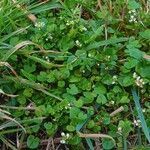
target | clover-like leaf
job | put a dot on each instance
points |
(33, 142)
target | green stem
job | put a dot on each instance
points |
(124, 143)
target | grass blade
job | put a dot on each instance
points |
(89, 142)
(106, 42)
(45, 6)
(12, 34)
(44, 63)
(140, 114)
(8, 143)
(33, 85)
(17, 47)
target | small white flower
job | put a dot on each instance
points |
(98, 64)
(93, 86)
(39, 24)
(130, 12)
(119, 129)
(83, 29)
(114, 77)
(108, 58)
(138, 78)
(112, 102)
(89, 55)
(134, 75)
(63, 134)
(139, 82)
(113, 82)
(50, 37)
(78, 43)
(66, 107)
(137, 122)
(67, 135)
(46, 39)
(134, 11)
(106, 68)
(67, 24)
(83, 71)
(62, 141)
(72, 22)
(143, 110)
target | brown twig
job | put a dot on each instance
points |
(120, 109)
(95, 136)
(147, 57)
(99, 4)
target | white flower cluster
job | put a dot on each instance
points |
(39, 24)
(137, 123)
(46, 58)
(138, 80)
(112, 102)
(107, 58)
(70, 23)
(119, 129)
(49, 37)
(114, 79)
(64, 137)
(83, 29)
(133, 16)
(68, 106)
(78, 43)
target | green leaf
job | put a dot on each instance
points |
(75, 140)
(145, 71)
(28, 75)
(78, 103)
(74, 112)
(73, 90)
(100, 89)
(89, 97)
(132, 4)
(42, 76)
(126, 80)
(61, 84)
(90, 124)
(106, 120)
(125, 127)
(28, 92)
(124, 99)
(135, 53)
(70, 128)
(101, 99)
(131, 63)
(48, 125)
(107, 144)
(33, 142)
(145, 34)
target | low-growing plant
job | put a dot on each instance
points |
(75, 73)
